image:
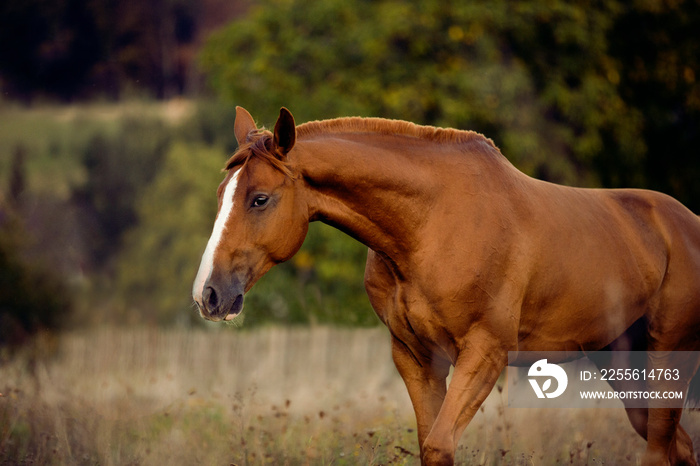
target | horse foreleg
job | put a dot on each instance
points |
(475, 374)
(425, 382)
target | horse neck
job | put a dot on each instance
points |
(380, 189)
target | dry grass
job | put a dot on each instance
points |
(272, 396)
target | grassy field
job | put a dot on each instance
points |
(271, 396)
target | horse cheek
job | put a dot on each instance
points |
(284, 235)
(290, 245)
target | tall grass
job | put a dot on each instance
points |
(272, 396)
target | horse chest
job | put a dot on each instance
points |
(418, 313)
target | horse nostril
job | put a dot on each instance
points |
(210, 298)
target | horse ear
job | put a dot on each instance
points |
(285, 131)
(243, 125)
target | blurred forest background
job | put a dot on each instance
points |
(117, 116)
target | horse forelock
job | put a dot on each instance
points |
(259, 144)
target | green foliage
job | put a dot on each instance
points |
(117, 168)
(212, 124)
(52, 139)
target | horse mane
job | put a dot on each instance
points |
(393, 127)
(259, 142)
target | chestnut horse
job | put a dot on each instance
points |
(468, 258)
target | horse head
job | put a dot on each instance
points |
(261, 221)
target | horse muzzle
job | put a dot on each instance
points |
(219, 302)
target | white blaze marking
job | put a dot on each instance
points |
(207, 264)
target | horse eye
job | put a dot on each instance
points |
(260, 201)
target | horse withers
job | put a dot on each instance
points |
(468, 258)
